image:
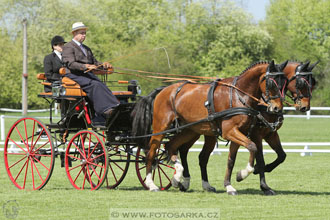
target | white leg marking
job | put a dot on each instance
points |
(247, 171)
(178, 170)
(230, 189)
(150, 184)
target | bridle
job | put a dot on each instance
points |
(271, 82)
(303, 80)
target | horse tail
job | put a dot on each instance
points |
(142, 117)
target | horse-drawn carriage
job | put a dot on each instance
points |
(90, 154)
(178, 115)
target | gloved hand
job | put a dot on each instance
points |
(107, 65)
(90, 66)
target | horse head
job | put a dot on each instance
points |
(273, 85)
(301, 85)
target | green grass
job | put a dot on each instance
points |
(301, 183)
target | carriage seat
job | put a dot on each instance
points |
(71, 87)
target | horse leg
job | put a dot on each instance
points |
(172, 146)
(230, 164)
(261, 166)
(236, 136)
(204, 156)
(154, 145)
(274, 142)
(183, 155)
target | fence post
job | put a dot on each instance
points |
(308, 114)
(2, 125)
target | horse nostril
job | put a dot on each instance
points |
(303, 109)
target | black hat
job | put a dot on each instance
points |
(57, 40)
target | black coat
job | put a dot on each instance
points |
(52, 65)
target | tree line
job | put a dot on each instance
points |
(201, 37)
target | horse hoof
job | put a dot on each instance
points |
(182, 188)
(154, 190)
(210, 189)
(175, 183)
(239, 177)
(232, 193)
(269, 192)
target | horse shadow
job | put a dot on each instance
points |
(282, 192)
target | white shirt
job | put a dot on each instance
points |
(59, 54)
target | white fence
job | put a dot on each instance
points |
(305, 150)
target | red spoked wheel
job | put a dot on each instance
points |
(119, 159)
(161, 172)
(29, 154)
(86, 161)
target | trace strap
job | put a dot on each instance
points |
(223, 114)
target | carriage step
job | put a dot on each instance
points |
(53, 125)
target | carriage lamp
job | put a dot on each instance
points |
(62, 91)
(134, 87)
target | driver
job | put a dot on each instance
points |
(78, 58)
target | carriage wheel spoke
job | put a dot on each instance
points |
(72, 168)
(17, 145)
(118, 166)
(21, 169)
(164, 173)
(39, 147)
(26, 170)
(95, 164)
(113, 172)
(78, 150)
(84, 180)
(94, 171)
(83, 144)
(41, 163)
(22, 139)
(160, 178)
(26, 136)
(93, 149)
(74, 157)
(37, 140)
(89, 177)
(17, 162)
(32, 175)
(37, 171)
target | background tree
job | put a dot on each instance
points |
(201, 37)
(300, 29)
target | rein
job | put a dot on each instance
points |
(260, 102)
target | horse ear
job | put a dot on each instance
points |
(283, 65)
(271, 67)
(311, 67)
(303, 68)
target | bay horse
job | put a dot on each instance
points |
(185, 102)
(300, 86)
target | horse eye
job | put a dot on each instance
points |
(299, 83)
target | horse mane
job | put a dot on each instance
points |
(254, 64)
(295, 61)
(266, 62)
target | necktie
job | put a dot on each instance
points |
(83, 49)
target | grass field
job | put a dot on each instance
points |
(301, 183)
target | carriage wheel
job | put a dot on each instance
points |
(86, 161)
(29, 154)
(119, 159)
(161, 172)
